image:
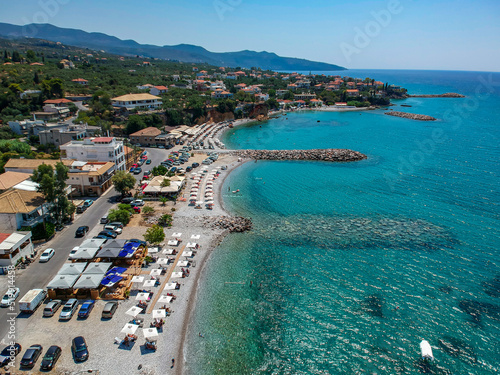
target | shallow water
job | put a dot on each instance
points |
(350, 266)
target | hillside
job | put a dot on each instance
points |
(181, 52)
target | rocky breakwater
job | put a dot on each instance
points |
(411, 116)
(445, 95)
(334, 155)
(230, 223)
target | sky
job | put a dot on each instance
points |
(356, 34)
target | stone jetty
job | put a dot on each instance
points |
(333, 155)
(411, 116)
(445, 95)
(230, 223)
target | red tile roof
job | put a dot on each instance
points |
(103, 139)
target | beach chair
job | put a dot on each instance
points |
(118, 340)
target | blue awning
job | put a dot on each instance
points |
(111, 280)
(126, 253)
(116, 271)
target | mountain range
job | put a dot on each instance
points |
(182, 52)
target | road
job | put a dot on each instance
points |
(38, 275)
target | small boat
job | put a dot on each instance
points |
(236, 191)
(426, 350)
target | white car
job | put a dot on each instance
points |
(10, 297)
(73, 252)
(137, 202)
(47, 255)
(115, 229)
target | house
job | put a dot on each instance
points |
(316, 102)
(200, 85)
(154, 187)
(352, 93)
(221, 94)
(59, 137)
(378, 83)
(158, 90)
(262, 97)
(29, 165)
(80, 81)
(89, 179)
(145, 137)
(23, 127)
(100, 149)
(29, 93)
(217, 85)
(137, 101)
(281, 93)
(147, 86)
(10, 179)
(14, 246)
(22, 208)
(304, 96)
(291, 86)
(195, 69)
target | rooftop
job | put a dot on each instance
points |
(138, 97)
(20, 201)
(9, 179)
(151, 131)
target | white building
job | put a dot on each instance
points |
(14, 246)
(101, 149)
(139, 101)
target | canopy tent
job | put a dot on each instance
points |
(161, 313)
(114, 244)
(187, 254)
(150, 333)
(72, 269)
(137, 279)
(183, 263)
(153, 250)
(93, 243)
(130, 329)
(89, 281)
(62, 282)
(191, 245)
(134, 311)
(116, 271)
(142, 297)
(149, 283)
(85, 253)
(97, 268)
(126, 253)
(165, 299)
(176, 275)
(111, 280)
(176, 234)
(155, 272)
(173, 242)
(168, 251)
(195, 237)
(170, 286)
(162, 261)
(108, 253)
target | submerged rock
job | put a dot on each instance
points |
(373, 305)
(476, 310)
(458, 349)
(411, 116)
(492, 287)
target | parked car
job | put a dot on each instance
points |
(148, 161)
(132, 170)
(69, 309)
(88, 202)
(137, 209)
(137, 170)
(86, 309)
(104, 219)
(173, 169)
(101, 237)
(50, 358)
(47, 255)
(81, 231)
(116, 224)
(31, 356)
(194, 165)
(52, 307)
(81, 209)
(137, 202)
(8, 353)
(127, 200)
(109, 310)
(79, 349)
(189, 169)
(138, 241)
(73, 252)
(9, 297)
(117, 230)
(180, 170)
(107, 233)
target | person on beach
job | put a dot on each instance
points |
(173, 362)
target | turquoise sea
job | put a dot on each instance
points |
(349, 266)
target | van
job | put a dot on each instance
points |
(52, 307)
(104, 219)
(81, 209)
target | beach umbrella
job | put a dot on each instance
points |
(199, 202)
(153, 250)
(155, 272)
(176, 275)
(158, 314)
(134, 311)
(150, 333)
(177, 234)
(149, 283)
(142, 297)
(168, 251)
(162, 261)
(183, 263)
(173, 242)
(137, 279)
(195, 237)
(165, 299)
(129, 329)
(191, 244)
(170, 286)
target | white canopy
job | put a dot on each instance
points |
(137, 279)
(149, 283)
(176, 275)
(99, 268)
(191, 245)
(129, 329)
(162, 261)
(177, 234)
(195, 237)
(142, 296)
(173, 242)
(72, 268)
(187, 254)
(89, 281)
(165, 299)
(183, 263)
(62, 281)
(170, 286)
(156, 271)
(150, 333)
(161, 313)
(168, 251)
(134, 311)
(153, 250)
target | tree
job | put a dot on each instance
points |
(36, 79)
(165, 220)
(163, 201)
(53, 88)
(165, 182)
(134, 124)
(123, 216)
(16, 57)
(159, 170)
(123, 182)
(155, 234)
(31, 55)
(148, 210)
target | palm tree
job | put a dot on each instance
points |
(163, 201)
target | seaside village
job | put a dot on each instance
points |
(109, 202)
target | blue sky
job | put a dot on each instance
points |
(391, 34)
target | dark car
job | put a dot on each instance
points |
(107, 233)
(109, 310)
(194, 165)
(148, 161)
(139, 241)
(189, 169)
(8, 353)
(31, 356)
(81, 231)
(85, 309)
(80, 349)
(173, 169)
(50, 358)
(101, 237)
(137, 170)
(127, 200)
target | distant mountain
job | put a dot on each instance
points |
(181, 52)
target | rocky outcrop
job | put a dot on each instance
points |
(445, 95)
(333, 155)
(411, 116)
(230, 223)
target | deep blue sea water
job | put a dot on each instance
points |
(349, 266)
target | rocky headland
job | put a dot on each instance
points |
(411, 116)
